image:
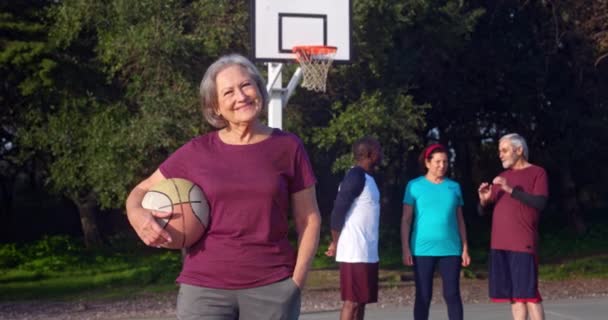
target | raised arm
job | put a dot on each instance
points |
(538, 202)
(535, 201)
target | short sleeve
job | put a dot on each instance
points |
(459, 194)
(408, 197)
(303, 174)
(176, 165)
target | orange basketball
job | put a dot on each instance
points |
(188, 207)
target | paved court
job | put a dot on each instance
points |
(574, 309)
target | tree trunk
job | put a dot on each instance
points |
(87, 209)
(570, 203)
(464, 149)
(7, 187)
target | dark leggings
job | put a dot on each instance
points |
(449, 268)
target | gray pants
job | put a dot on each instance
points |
(280, 301)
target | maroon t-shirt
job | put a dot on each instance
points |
(515, 224)
(248, 188)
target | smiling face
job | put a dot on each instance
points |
(508, 154)
(238, 96)
(437, 165)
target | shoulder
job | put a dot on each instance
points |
(285, 140)
(285, 137)
(451, 184)
(416, 182)
(356, 172)
(538, 169)
(205, 138)
(199, 142)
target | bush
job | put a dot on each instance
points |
(10, 256)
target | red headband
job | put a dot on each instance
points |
(432, 148)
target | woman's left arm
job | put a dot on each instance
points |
(462, 228)
(308, 225)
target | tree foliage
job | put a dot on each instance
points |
(96, 94)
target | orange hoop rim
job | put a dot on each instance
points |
(315, 49)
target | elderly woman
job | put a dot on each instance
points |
(244, 266)
(438, 237)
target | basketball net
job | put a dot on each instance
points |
(314, 62)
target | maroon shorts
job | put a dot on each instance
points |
(359, 282)
(513, 277)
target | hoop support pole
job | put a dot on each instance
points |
(275, 93)
(292, 85)
(276, 74)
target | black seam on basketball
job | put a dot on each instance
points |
(163, 207)
(181, 204)
(195, 213)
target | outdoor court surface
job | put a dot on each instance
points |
(575, 309)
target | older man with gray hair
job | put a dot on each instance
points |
(519, 194)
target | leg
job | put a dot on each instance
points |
(358, 286)
(449, 267)
(424, 268)
(352, 311)
(195, 303)
(525, 285)
(361, 311)
(536, 311)
(277, 301)
(348, 310)
(519, 310)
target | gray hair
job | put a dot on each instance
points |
(208, 87)
(517, 141)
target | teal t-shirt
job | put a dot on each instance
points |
(435, 226)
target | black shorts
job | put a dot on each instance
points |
(513, 277)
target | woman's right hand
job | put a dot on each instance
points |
(408, 260)
(143, 220)
(148, 229)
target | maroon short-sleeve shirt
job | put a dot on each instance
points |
(515, 224)
(248, 188)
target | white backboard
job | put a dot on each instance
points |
(279, 25)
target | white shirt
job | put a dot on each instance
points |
(358, 240)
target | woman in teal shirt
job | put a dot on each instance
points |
(438, 234)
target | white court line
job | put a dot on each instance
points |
(563, 316)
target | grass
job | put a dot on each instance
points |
(60, 267)
(588, 267)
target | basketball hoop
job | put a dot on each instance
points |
(314, 62)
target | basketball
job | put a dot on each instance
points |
(188, 207)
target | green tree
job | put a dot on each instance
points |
(25, 65)
(397, 45)
(393, 118)
(124, 93)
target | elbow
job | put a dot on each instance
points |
(311, 222)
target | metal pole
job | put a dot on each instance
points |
(275, 92)
(293, 83)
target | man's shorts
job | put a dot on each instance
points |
(513, 277)
(359, 282)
